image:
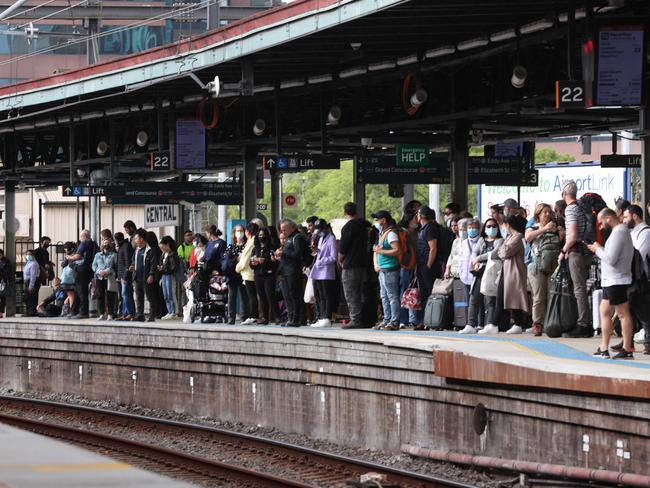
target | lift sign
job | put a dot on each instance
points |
(161, 216)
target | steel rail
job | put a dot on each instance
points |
(327, 462)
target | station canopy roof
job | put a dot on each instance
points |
(290, 65)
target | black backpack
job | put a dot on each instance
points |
(307, 258)
(591, 204)
(445, 243)
(640, 278)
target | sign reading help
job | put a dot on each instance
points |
(161, 215)
(412, 155)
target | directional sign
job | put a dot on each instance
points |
(620, 161)
(501, 171)
(83, 191)
(301, 162)
(384, 170)
(222, 193)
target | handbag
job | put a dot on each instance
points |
(443, 286)
(111, 284)
(411, 299)
(490, 281)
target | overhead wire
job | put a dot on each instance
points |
(31, 9)
(165, 16)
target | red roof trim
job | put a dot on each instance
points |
(248, 24)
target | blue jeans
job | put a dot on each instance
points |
(169, 293)
(389, 288)
(127, 305)
(406, 315)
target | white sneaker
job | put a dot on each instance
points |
(110, 317)
(249, 321)
(489, 329)
(101, 317)
(168, 317)
(322, 323)
(515, 329)
(468, 329)
(639, 337)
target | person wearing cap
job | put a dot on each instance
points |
(386, 263)
(323, 273)
(578, 257)
(427, 252)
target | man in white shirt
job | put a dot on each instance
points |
(616, 266)
(640, 302)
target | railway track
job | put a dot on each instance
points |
(227, 458)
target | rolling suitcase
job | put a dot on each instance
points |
(461, 304)
(438, 313)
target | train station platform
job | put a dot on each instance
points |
(29, 460)
(546, 399)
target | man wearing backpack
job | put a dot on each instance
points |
(640, 298)
(578, 257)
(386, 261)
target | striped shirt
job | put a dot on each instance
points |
(575, 215)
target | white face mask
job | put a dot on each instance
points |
(462, 234)
(239, 234)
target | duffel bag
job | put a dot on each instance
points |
(562, 309)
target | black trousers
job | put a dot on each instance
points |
(265, 286)
(233, 288)
(251, 294)
(516, 316)
(152, 291)
(138, 287)
(31, 300)
(84, 276)
(293, 298)
(105, 297)
(325, 297)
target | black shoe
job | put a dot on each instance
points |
(80, 317)
(646, 350)
(623, 354)
(291, 325)
(601, 354)
(352, 325)
(231, 322)
(579, 333)
(151, 319)
(617, 347)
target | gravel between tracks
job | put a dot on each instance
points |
(399, 461)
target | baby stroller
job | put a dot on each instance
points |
(212, 306)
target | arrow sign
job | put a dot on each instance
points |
(301, 162)
(67, 191)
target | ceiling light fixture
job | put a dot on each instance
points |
(503, 35)
(142, 138)
(536, 26)
(440, 51)
(102, 148)
(406, 60)
(292, 83)
(349, 73)
(473, 43)
(313, 80)
(381, 65)
(419, 97)
(519, 74)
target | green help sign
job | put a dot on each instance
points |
(412, 155)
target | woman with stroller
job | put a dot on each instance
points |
(264, 272)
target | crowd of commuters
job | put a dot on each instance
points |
(298, 276)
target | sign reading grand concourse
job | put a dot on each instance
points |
(221, 193)
(384, 170)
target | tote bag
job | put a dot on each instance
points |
(490, 281)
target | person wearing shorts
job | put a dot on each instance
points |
(616, 277)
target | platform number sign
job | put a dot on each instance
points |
(569, 94)
(159, 161)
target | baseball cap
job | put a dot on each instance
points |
(382, 214)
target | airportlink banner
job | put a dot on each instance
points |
(610, 183)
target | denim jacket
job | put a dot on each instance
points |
(104, 262)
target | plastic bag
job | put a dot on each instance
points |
(310, 296)
(490, 280)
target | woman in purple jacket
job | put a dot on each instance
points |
(323, 273)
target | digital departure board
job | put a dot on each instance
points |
(619, 76)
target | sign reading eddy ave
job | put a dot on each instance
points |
(149, 193)
(384, 170)
(161, 215)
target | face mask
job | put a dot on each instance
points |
(239, 235)
(378, 227)
(29, 258)
(414, 226)
(472, 233)
(491, 231)
(462, 234)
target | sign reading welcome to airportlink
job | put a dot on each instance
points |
(610, 183)
(161, 216)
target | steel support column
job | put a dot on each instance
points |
(459, 159)
(250, 183)
(276, 177)
(645, 160)
(409, 194)
(359, 192)
(10, 241)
